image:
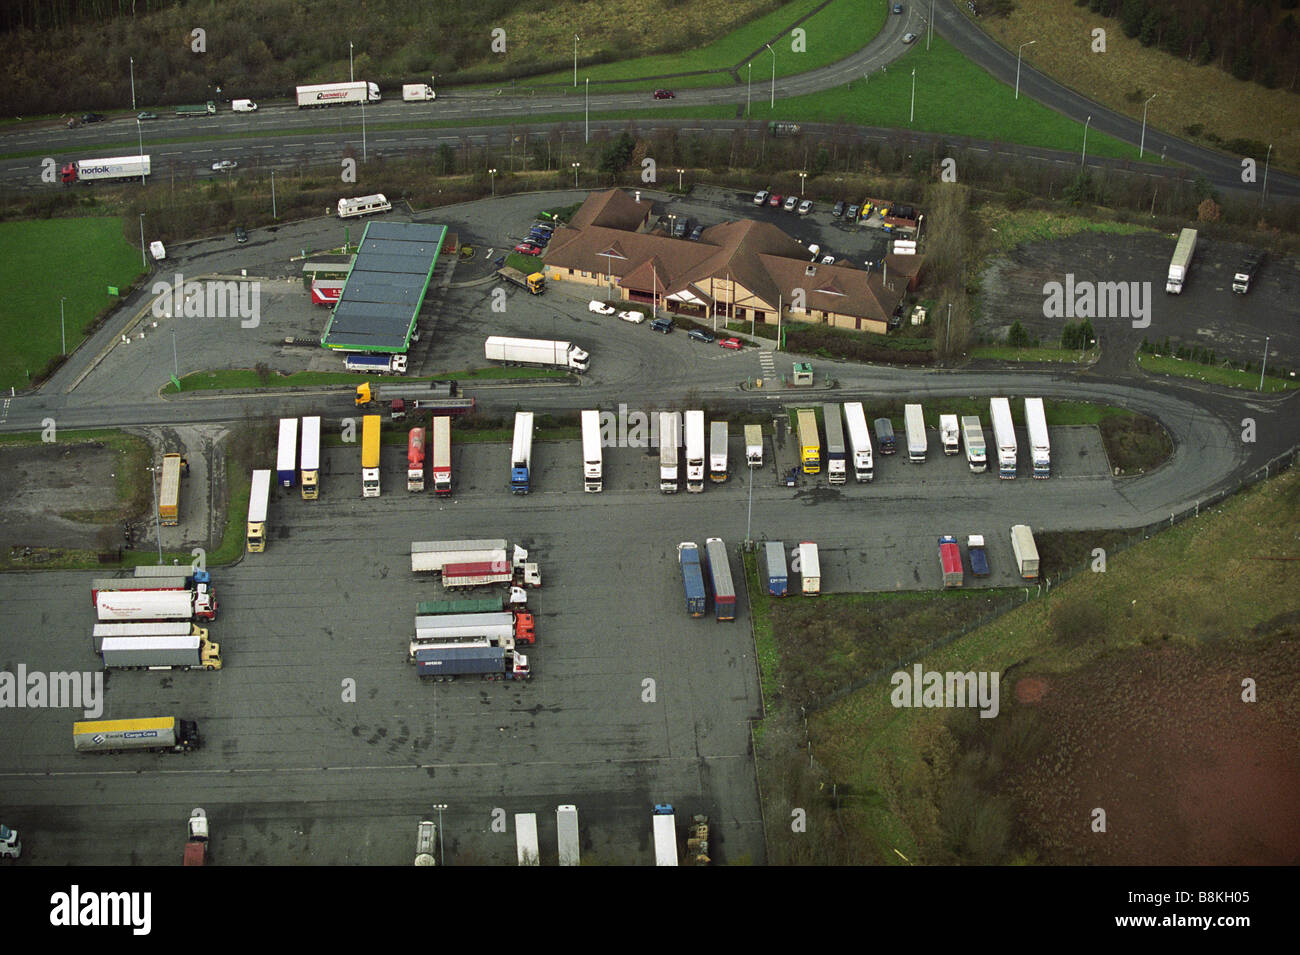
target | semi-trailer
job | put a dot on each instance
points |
(810, 449)
(167, 628)
(363, 206)
(859, 441)
(772, 573)
(370, 431)
(810, 569)
(526, 839)
(1026, 551)
(670, 430)
(949, 434)
(160, 653)
(176, 578)
(566, 825)
(979, 558)
(1040, 447)
(885, 436)
(432, 556)
(199, 603)
(489, 663)
(417, 92)
(664, 823)
(724, 592)
(197, 109)
(336, 94)
(149, 734)
(1181, 263)
(445, 608)
(542, 353)
(375, 364)
(914, 422)
(259, 496)
(973, 437)
(441, 426)
(452, 628)
(694, 452)
(1004, 436)
(415, 460)
(310, 460)
(718, 451)
(950, 561)
(483, 573)
(142, 571)
(754, 445)
(534, 283)
(169, 490)
(836, 454)
(106, 170)
(521, 454)
(688, 558)
(286, 459)
(592, 456)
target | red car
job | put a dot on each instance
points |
(732, 343)
(775, 200)
(665, 94)
(527, 248)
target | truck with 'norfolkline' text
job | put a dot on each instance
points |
(541, 353)
(859, 441)
(336, 94)
(1181, 263)
(151, 734)
(836, 457)
(490, 663)
(521, 454)
(670, 430)
(415, 460)
(1004, 436)
(157, 653)
(534, 282)
(694, 452)
(949, 436)
(973, 436)
(310, 462)
(106, 170)
(1040, 447)
(688, 558)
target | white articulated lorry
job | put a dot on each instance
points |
(670, 431)
(592, 459)
(694, 451)
(536, 352)
(718, 451)
(1040, 447)
(973, 436)
(914, 420)
(859, 441)
(336, 94)
(432, 556)
(1181, 263)
(1004, 437)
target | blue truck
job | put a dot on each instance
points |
(979, 559)
(688, 555)
(449, 661)
(772, 573)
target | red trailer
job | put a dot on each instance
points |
(415, 460)
(950, 561)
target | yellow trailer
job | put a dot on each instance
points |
(169, 490)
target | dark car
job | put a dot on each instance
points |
(696, 233)
(665, 94)
(680, 227)
(700, 335)
(898, 8)
(851, 213)
(664, 325)
(93, 118)
(838, 209)
(240, 235)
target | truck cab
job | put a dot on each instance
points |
(196, 849)
(11, 846)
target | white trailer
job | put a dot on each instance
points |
(1004, 436)
(259, 495)
(566, 824)
(111, 605)
(417, 92)
(450, 627)
(836, 457)
(309, 463)
(914, 421)
(1040, 448)
(286, 460)
(754, 445)
(694, 451)
(185, 652)
(670, 430)
(526, 839)
(1181, 262)
(538, 352)
(592, 459)
(521, 454)
(441, 454)
(949, 435)
(973, 436)
(718, 451)
(1026, 551)
(363, 206)
(859, 441)
(665, 832)
(810, 569)
(106, 170)
(433, 556)
(336, 94)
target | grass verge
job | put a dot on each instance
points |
(1211, 374)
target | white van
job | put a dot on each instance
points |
(243, 106)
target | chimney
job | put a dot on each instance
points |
(638, 196)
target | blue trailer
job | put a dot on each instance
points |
(449, 661)
(688, 555)
(724, 592)
(286, 462)
(979, 559)
(772, 573)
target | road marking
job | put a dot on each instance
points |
(767, 362)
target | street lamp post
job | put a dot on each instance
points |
(274, 213)
(153, 485)
(1018, 52)
(1264, 195)
(62, 329)
(575, 61)
(749, 84)
(144, 262)
(1263, 363)
(679, 179)
(493, 174)
(912, 114)
(139, 133)
(1142, 144)
(772, 104)
(1083, 159)
(132, 82)
(586, 112)
(176, 362)
(442, 843)
(803, 182)
(351, 76)
(575, 166)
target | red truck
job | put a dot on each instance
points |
(485, 573)
(415, 460)
(950, 561)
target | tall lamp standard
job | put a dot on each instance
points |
(493, 174)
(1083, 159)
(575, 166)
(62, 329)
(575, 61)
(351, 76)
(679, 179)
(132, 82)
(772, 104)
(1142, 144)
(1018, 52)
(442, 843)
(143, 261)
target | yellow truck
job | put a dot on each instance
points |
(169, 490)
(370, 426)
(810, 449)
(259, 494)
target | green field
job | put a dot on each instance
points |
(1005, 353)
(1229, 377)
(46, 260)
(832, 34)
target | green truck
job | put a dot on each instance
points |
(202, 109)
(488, 605)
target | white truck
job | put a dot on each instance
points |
(1004, 436)
(670, 430)
(1245, 273)
(754, 445)
(837, 464)
(914, 420)
(566, 824)
(949, 436)
(859, 441)
(536, 352)
(259, 494)
(1026, 551)
(694, 452)
(11, 846)
(810, 569)
(106, 170)
(243, 106)
(363, 206)
(664, 822)
(160, 653)
(417, 92)
(112, 605)
(309, 460)
(521, 454)
(1040, 448)
(375, 364)
(973, 436)
(286, 459)
(526, 839)
(432, 556)
(336, 94)
(1181, 263)
(592, 456)
(718, 451)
